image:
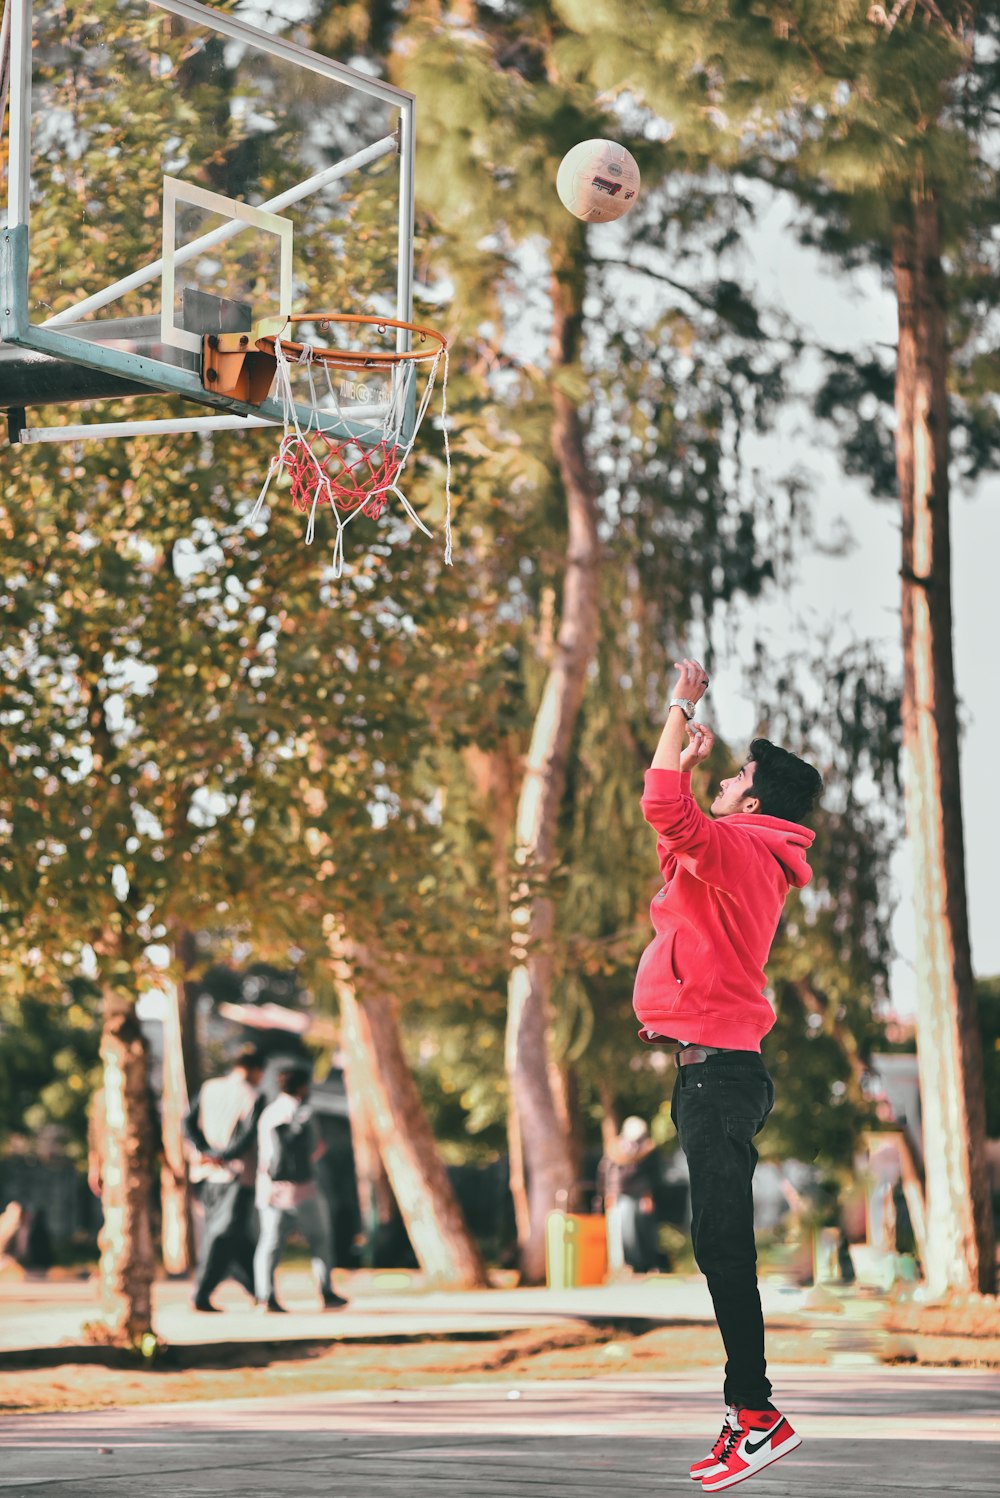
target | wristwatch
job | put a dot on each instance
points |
(685, 704)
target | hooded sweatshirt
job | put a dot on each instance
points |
(701, 979)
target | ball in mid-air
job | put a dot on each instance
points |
(598, 180)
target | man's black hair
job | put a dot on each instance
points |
(249, 1059)
(292, 1079)
(786, 786)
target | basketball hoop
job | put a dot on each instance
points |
(346, 457)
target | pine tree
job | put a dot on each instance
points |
(879, 120)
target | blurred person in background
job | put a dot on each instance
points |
(288, 1194)
(628, 1179)
(221, 1126)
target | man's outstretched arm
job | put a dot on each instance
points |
(690, 687)
(684, 832)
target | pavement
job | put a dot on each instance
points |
(877, 1431)
(42, 1320)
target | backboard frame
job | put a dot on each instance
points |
(54, 337)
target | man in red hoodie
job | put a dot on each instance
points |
(700, 989)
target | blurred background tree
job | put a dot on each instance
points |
(49, 1066)
(289, 747)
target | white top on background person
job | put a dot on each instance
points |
(222, 1123)
(290, 1110)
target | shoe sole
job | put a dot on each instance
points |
(788, 1446)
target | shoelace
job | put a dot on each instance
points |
(735, 1432)
(729, 1433)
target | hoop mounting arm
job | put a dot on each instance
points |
(232, 364)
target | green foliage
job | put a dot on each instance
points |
(819, 1109)
(460, 1075)
(208, 728)
(48, 1066)
(857, 396)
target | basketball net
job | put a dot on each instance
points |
(358, 474)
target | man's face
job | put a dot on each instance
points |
(734, 793)
(255, 1075)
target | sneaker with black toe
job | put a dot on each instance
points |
(758, 1438)
(710, 1462)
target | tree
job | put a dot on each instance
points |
(541, 1135)
(880, 122)
(829, 968)
(211, 728)
(503, 88)
(394, 1111)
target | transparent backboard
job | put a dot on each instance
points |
(174, 171)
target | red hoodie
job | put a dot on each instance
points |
(701, 979)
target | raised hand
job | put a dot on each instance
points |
(692, 683)
(702, 741)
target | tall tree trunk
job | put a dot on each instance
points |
(547, 1155)
(181, 1080)
(517, 1181)
(376, 1203)
(420, 1184)
(495, 775)
(566, 1096)
(960, 1230)
(176, 1236)
(186, 956)
(126, 1240)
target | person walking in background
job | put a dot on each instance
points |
(221, 1125)
(628, 1179)
(700, 990)
(288, 1194)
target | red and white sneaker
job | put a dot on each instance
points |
(759, 1438)
(711, 1462)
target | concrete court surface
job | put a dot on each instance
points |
(867, 1431)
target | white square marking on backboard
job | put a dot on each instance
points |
(241, 215)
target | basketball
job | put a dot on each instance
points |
(598, 180)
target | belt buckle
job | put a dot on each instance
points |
(692, 1055)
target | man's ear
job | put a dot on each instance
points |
(750, 805)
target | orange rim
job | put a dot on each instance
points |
(357, 358)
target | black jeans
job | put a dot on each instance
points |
(226, 1246)
(718, 1106)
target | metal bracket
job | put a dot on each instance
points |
(13, 282)
(16, 328)
(231, 365)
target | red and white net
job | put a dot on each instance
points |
(345, 458)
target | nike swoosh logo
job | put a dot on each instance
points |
(769, 1436)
